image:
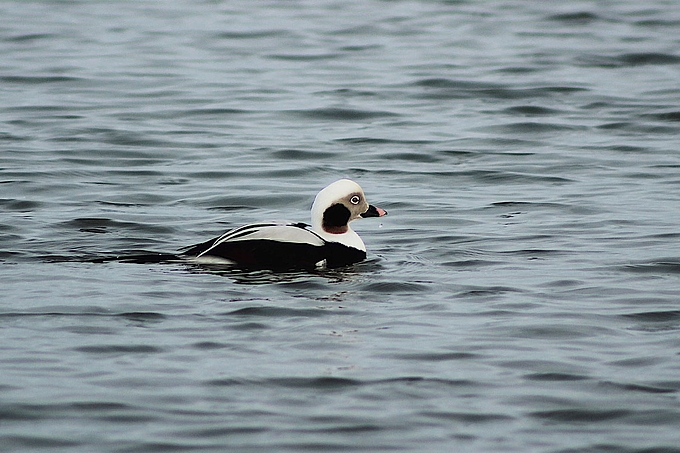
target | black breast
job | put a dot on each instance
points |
(268, 254)
(278, 255)
(338, 255)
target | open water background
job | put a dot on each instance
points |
(522, 295)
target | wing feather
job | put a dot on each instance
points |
(292, 233)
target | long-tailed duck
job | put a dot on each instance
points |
(328, 242)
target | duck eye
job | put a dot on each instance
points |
(355, 199)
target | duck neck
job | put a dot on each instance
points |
(349, 238)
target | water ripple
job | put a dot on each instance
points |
(341, 114)
(630, 60)
(277, 312)
(39, 80)
(576, 18)
(441, 88)
(666, 266)
(582, 415)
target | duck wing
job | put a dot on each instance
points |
(264, 245)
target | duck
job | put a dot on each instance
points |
(329, 242)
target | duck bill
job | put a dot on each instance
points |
(374, 211)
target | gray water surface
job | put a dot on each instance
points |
(522, 295)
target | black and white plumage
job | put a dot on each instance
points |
(328, 242)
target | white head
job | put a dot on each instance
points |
(336, 206)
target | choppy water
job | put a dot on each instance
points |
(522, 295)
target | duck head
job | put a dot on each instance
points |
(336, 206)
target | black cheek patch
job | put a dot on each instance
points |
(336, 216)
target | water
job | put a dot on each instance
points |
(522, 295)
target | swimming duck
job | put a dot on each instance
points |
(328, 242)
